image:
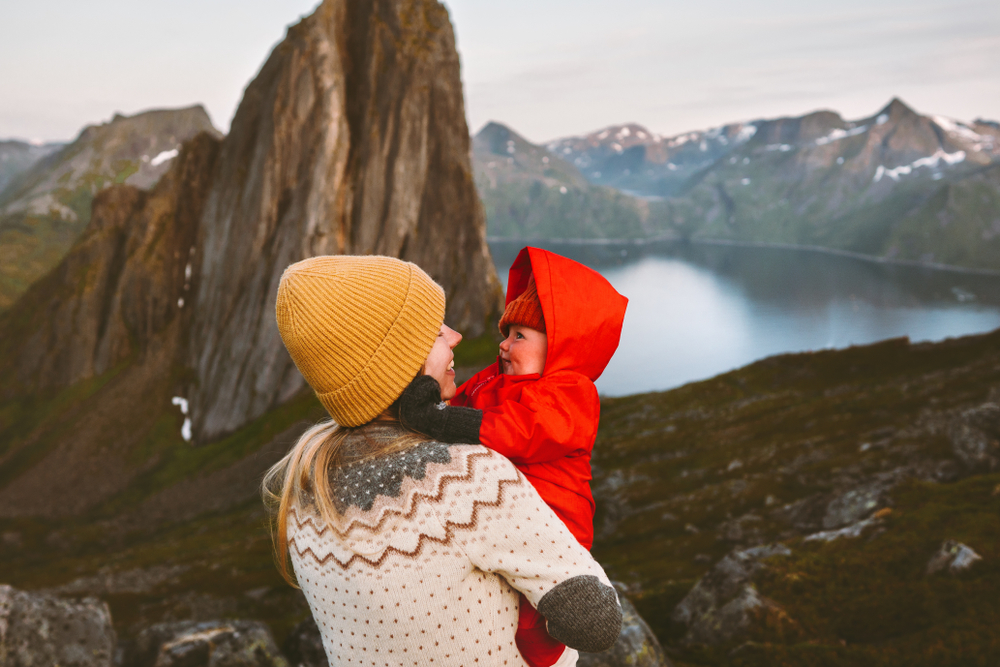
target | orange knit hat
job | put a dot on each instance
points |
(525, 310)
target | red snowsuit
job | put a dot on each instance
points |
(546, 425)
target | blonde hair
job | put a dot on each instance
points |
(301, 479)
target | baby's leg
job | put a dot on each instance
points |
(533, 641)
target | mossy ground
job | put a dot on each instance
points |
(676, 471)
(222, 560)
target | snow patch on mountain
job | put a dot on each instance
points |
(932, 161)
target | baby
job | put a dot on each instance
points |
(537, 405)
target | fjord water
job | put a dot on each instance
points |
(699, 310)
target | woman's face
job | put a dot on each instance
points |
(440, 363)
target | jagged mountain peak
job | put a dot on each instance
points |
(897, 109)
(156, 331)
(500, 139)
(125, 149)
(501, 156)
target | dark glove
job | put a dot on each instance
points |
(421, 409)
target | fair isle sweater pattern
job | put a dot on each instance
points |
(429, 572)
(402, 481)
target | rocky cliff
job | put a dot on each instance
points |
(158, 327)
(352, 139)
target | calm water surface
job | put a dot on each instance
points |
(698, 310)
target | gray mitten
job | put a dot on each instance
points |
(421, 409)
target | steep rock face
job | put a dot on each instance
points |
(116, 290)
(352, 139)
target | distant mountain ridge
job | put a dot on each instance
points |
(631, 158)
(45, 207)
(16, 157)
(896, 185)
(528, 192)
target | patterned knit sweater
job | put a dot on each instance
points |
(429, 549)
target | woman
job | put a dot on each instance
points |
(411, 551)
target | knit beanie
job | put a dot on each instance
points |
(358, 328)
(525, 310)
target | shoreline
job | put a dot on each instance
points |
(936, 266)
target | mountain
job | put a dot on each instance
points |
(632, 159)
(529, 192)
(17, 157)
(896, 185)
(158, 326)
(44, 208)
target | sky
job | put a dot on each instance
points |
(547, 68)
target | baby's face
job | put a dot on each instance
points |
(524, 350)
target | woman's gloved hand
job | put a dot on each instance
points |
(421, 409)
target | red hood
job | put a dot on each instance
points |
(583, 312)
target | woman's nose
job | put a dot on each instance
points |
(452, 336)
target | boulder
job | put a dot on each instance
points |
(855, 504)
(953, 556)
(205, 644)
(975, 437)
(637, 646)
(725, 605)
(38, 630)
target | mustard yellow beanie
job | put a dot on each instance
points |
(358, 328)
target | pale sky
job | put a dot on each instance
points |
(547, 68)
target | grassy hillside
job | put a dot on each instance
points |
(681, 477)
(766, 453)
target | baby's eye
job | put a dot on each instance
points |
(519, 335)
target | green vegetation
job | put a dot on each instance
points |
(529, 193)
(536, 210)
(682, 477)
(31, 427)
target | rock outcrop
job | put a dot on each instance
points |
(111, 316)
(952, 556)
(637, 646)
(37, 629)
(352, 139)
(207, 644)
(725, 605)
